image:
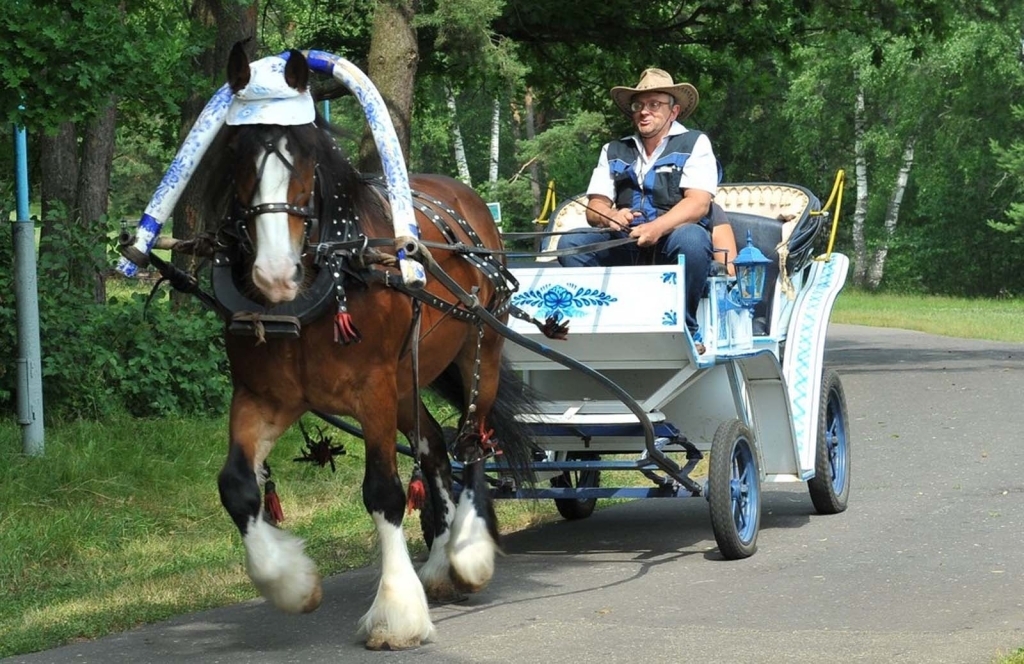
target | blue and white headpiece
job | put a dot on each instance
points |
(268, 99)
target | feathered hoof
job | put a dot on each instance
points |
(313, 603)
(287, 599)
(381, 640)
(466, 585)
(444, 593)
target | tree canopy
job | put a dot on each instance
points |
(779, 84)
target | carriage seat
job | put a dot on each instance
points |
(570, 213)
(772, 214)
(786, 206)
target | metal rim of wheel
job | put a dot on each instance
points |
(573, 508)
(835, 442)
(830, 486)
(734, 490)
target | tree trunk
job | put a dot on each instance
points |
(94, 193)
(234, 22)
(460, 148)
(492, 173)
(75, 196)
(531, 133)
(58, 157)
(892, 215)
(392, 63)
(860, 211)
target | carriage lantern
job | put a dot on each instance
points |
(751, 270)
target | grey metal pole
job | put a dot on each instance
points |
(30, 376)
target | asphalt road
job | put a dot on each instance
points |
(924, 567)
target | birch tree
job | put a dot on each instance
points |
(492, 173)
(460, 149)
(892, 215)
(860, 210)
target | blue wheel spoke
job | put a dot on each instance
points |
(741, 490)
(835, 442)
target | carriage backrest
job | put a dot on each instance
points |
(773, 214)
(570, 213)
(787, 205)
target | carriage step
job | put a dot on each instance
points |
(561, 466)
(585, 493)
(566, 466)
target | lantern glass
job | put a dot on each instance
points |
(750, 280)
(751, 273)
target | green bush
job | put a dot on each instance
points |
(100, 360)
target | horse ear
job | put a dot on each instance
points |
(238, 67)
(296, 72)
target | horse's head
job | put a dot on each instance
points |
(275, 163)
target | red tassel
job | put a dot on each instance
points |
(272, 504)
(345, 331)
(489, 445)
(417, 492)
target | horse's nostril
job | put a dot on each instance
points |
(297, 277)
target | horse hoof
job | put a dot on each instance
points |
(463, 585)
(445, 594)
(379, 641)
(313, 603)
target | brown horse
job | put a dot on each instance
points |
(293, 194)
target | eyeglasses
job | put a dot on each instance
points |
(652, 106)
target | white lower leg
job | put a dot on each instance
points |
(279, 569)
(471, 548)
(399, 617)
(436, 572)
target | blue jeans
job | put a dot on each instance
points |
(690, 240)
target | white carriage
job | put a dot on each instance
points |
(640, 397)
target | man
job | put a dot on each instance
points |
(655, 186)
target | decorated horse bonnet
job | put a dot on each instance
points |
(268, 99)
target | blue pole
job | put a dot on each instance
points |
(30, 377)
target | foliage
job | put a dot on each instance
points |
(100, 360)
(1010, 160)
(568, 150)
(145, 146)
(62, 61)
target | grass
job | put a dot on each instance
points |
(994, 320)
(1016, 657)
(120, 524)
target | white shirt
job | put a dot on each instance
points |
(699, 172)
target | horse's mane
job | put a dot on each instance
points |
(343, 191)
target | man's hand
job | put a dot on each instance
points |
(647, 235)
(621, 219)
(602, 214)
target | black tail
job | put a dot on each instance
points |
(514, 397)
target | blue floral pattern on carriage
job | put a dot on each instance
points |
(558, 301)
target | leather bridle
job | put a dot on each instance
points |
(247, 214)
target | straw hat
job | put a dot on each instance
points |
(657, 80)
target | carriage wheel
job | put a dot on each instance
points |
(571, 508)
(734, 490)
(830, 486)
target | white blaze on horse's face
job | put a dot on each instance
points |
(277, 270)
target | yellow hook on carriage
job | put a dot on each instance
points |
(550, 199)
(837, 197)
